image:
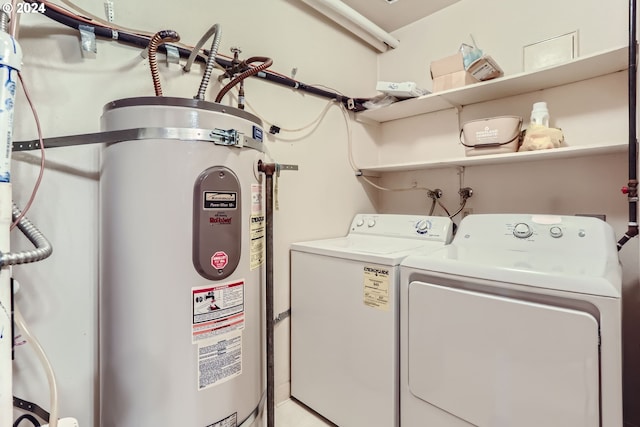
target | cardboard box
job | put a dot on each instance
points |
(453, 80)
(449, 73)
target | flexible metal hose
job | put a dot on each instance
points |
(211, 60)
(266, 63)
(159, 38)
(4, 22)
(43, 247)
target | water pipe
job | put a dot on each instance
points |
(252, 71)
(269, 169)
(632, 187)
(73, 21)
(159, 38)
(10, 63)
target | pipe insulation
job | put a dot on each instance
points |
(143, 41)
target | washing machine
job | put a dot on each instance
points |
(345, 319)
(516, 323)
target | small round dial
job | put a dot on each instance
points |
(360, 222)
(522, 230)
(371, 223)
(423, 226)
(555, 232)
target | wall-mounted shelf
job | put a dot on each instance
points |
(583, 68)
(492, 159)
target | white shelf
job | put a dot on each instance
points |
(583, 68)
(551, 154)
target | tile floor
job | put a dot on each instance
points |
(291, 413)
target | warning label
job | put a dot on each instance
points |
(376, 287)
(257, 230)
(230, 421)
(219, 360)
(217, 310)
(256, 199)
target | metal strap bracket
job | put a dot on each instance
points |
(227, 137)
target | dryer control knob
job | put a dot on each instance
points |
(522, 230)
(360, 222)
(423, 226)
(555, 232)
(371, 223)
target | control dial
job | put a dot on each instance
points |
(360, 222)
(371, 223)
(555, 232)
(522, 230)
(423, 226)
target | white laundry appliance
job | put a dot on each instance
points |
(345, 319)
(516, 323)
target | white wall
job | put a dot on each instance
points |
(590, 112)
(59, 295)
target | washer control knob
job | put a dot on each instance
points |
(371, 223)
(555, 232)
(423, 226)
(360, 222)
(522, 230)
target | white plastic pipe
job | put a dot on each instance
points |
(356, 23)
(6, 336)
(46, 365)
(10, 63)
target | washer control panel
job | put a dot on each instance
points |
(434, 228)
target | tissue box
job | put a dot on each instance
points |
(485, 68)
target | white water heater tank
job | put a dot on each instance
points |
(182, 265)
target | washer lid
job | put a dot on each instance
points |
(384, 250)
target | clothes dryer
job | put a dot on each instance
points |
(516, 323)
(345, 318)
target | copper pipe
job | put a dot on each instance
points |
(266, 63)
(159, 38)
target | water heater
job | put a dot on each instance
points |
(182, 265)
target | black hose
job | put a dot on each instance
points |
(143, 42)
(33, 420)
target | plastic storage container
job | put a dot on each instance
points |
(540, 114)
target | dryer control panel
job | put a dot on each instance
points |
(558, 240)
(501, 229)
(431, 228)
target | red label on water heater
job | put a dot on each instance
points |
(219, 260)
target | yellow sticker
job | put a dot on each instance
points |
(376, 287)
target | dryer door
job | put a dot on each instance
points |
(497, 361)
